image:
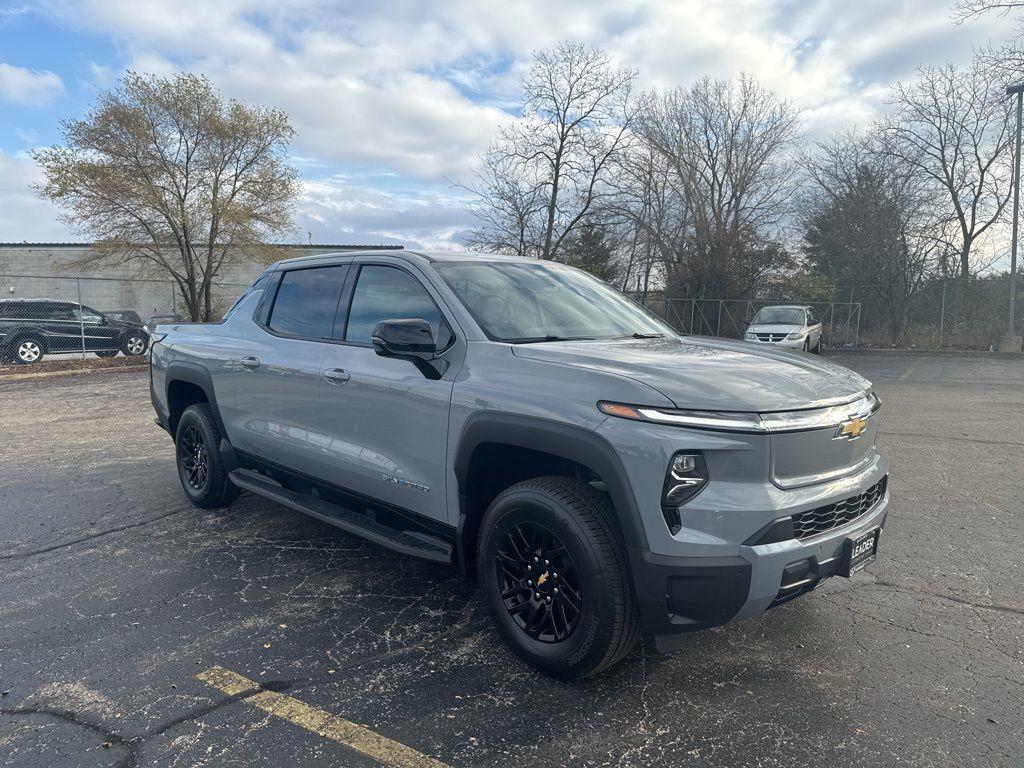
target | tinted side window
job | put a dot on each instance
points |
(306, 302)
(62, 312)
(812, 317)
(389, 293)
(86, 314)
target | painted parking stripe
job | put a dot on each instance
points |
(319, 721)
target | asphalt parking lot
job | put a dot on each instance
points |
(138, 631)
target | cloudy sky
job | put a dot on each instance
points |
(392, 101)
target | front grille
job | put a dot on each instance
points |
(822, 519)
(770, 336)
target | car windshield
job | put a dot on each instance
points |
(779, 316)
(543, 301)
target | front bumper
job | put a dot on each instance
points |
(678, 595)
(783, 344)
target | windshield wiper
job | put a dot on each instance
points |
(549, 337)
(638, 335)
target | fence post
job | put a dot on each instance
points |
(693, 308)
(718, 324)
(81, 315)
(942, 313)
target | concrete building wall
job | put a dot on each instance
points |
(45, 270)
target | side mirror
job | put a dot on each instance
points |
(406, 339)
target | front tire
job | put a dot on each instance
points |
(552, 563)
(200, 469)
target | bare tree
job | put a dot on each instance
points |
(726, 146)
(167, 174)
(871, 219)
(544, 176)
(953, 126)
(963, 10)
(509, 203)
(654, 218)
(1004, 61)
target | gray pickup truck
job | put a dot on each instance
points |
(602, 476)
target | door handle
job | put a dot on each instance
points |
(250, 362)
(336, 375)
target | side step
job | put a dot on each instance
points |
(346, 519)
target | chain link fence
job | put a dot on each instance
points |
(943, 313)
(43, 316)
(729, 318)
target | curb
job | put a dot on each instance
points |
(70, 372)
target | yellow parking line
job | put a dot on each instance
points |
(320, 722)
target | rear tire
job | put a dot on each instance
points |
(134, 344)
(197, 453)
(573, 624)
(27, 350)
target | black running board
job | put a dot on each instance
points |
(346, 519)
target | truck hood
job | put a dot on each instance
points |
(710, 375)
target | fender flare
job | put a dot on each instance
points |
(578, 444)
(193, 373)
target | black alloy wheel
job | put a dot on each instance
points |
(195, 460)
(555, 579)
(539, 582)
(198, 445)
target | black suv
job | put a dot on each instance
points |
(31, 328)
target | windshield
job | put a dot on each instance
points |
(780, 316)
(525, 302)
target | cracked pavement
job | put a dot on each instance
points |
(117, 593)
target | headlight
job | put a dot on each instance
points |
(687, 475)
(751, 335)
(797, 334)
(743, 421)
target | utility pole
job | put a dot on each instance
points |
(1012, 342)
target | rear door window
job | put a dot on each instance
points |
(306, 302)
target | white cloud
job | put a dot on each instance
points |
(23, 216)
(31, 87)
(417, 89)
(351, 209)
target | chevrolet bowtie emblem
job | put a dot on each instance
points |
(851, 430)
(543, 577)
